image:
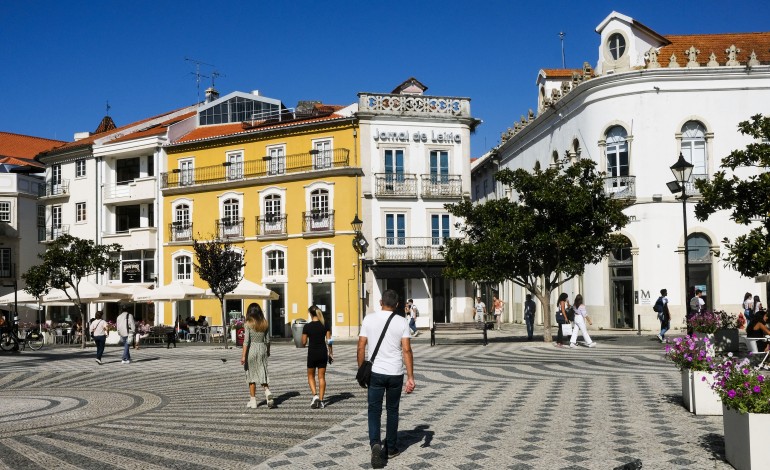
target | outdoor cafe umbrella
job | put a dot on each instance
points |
(20, 296)
(89, 292)
(248, 290)
(170, 293)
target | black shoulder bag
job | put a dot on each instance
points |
(364, 375)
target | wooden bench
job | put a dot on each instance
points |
(460, 328)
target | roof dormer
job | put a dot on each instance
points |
(624, 43)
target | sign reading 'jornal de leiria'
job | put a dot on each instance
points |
(403, 136)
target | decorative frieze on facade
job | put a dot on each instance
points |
(652, 58)
(672, 63)
(732, 56)
(712, 61)
(415, 105)
(753, 59)
(692, 57)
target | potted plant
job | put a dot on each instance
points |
(726, 336)
(694, 357)
(745, 394)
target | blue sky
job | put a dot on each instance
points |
(62, 61)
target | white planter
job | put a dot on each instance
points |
(746, 438)
(232, 335)
(687, 389)
(726, 340)
(704, 400)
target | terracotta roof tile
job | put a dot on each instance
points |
(20, 162)
(561, 73)
(157, 129)
(25, 146)
(717, 43)
(228, 130)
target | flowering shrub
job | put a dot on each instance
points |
(741, 387)
(143, 328)
(691, 353)
(236, 324)
(729, 320)
(705, 322)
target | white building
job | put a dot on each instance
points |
(415, 154)
(103, 187)
(650, 97)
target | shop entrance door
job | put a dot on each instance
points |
(442, 296)
(322, 298)
(277, 311)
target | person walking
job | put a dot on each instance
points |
(757, 305)
(319, 352)
(413, 314)
(256, 350)
(664, 315)
(497, 308)
(481, 310)
(561, 317)
(126, 328)
(98, 330)
(394, 355)
(581, 316)
(748, 307)
(529, 316)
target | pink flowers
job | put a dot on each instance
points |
(740, 386)
(691, 353)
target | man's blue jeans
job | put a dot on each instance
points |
(530, 321)
(388, 386)
(100, 341)
(412, 325)
(126, 347)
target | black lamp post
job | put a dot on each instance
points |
(682, 170)
(359, 244)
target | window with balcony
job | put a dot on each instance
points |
(235, 166)
(319, 203)
(322, 262)
(127, 170)
(694, 147)
(395, 229)
(439, 230)
(127, 217)
(6, 265)
(5, 211)
(617, 156)
(439, 167)
(56, 175)
(394, 166)
(56, 217)
(322, 154)
(80, 212)
(186, 172)
(183, 268)
(80, 168)
(276, 160)
(230, 211)
(276, 263)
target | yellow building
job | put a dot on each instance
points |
(283, 185)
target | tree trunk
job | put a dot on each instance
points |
(545, 301)
(224, 321)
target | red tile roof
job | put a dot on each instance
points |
(561, 73)
(229, 130)
(717, 43)
(25, 146)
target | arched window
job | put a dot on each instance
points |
(183, 268)
(699, 257)
(617, 152)
(621, 275)
(182, 215)
(230, 210)
(276, 263)
(319, 202)
(322, 262)
(272, 206)
(694, 147)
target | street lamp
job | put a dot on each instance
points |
(360, 244)
(682, 170)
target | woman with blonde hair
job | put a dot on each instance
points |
(256, 350)
(319, 352)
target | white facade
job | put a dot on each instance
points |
(633, 116)
(414, 152)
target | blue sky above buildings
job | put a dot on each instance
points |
(62, 61)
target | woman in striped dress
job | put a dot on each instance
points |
(256, 350)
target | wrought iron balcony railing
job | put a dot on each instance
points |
(180, 231)
(318, 222)
(271, 225)
(51, 189)
(266, 166)
(441, 186)
(395, 185)
(690, 188)
(52, 233)
(409, 248)
(620, 187)
(230, 227)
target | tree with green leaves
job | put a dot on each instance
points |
(222, 268)
(67, 261)
(747, 199)
(559, 222)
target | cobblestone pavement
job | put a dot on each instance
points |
(512, 404)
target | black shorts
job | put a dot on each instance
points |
(317, 358)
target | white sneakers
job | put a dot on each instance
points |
(661, 339)
(270, 401)
(314, 402)
(125, 362)
(252, 402)
(592, 345)
(572, 345)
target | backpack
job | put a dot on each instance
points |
(658, 307)
(571, 313)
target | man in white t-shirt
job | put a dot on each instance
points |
(387, 373)
(481, 309)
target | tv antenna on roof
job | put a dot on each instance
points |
(198, 74)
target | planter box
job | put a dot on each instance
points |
(687, 389)
(746, 438)
(726, 340)
(697, 395)
(705, 401)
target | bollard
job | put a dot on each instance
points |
(638, 325)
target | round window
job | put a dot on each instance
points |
(616, 45)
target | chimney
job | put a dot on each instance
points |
(81, 135)
(211, 94)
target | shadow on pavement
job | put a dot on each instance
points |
(420, 433)
(673, 399)
(714, 444)
(338, 398)
(281, 398)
